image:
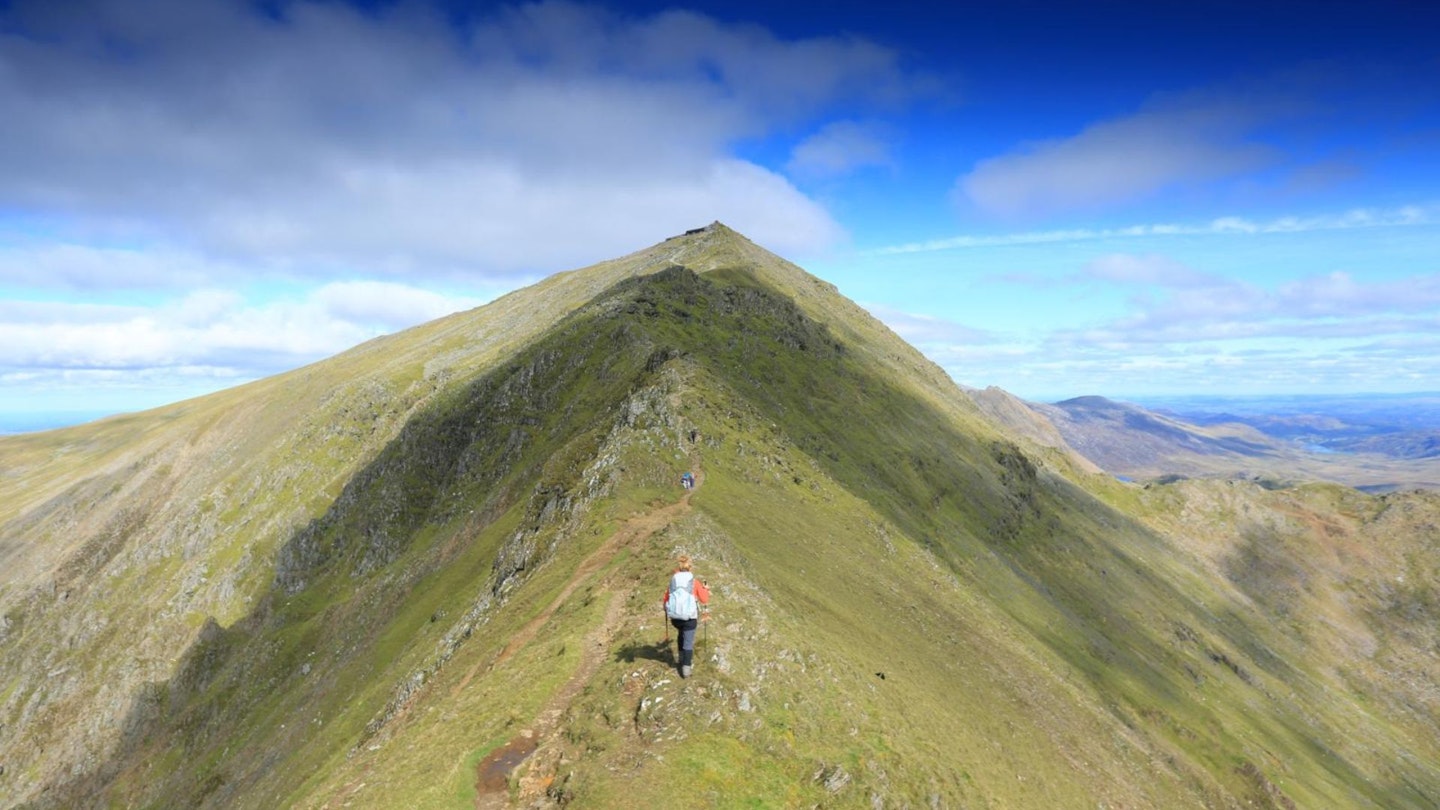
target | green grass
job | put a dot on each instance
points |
(908, 605)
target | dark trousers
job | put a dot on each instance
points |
(685, 639)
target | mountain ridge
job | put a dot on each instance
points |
(913, 605)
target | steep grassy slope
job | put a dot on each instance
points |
(828, 590)
(119, 539)
(471, 493)
(912, 609)
(1351, 579)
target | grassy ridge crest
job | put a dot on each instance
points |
(913, 606)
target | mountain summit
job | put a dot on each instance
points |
(427, 573)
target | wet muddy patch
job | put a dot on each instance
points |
(492, 775)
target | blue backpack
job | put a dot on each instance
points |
(682, 603)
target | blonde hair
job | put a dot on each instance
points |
(683, 562)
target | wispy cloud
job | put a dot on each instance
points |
(927, 330)
(1150, 269)
(1182, 330)
(840, 148)
(1410, 215)
(1071, 365)
(1187, 141)
(1321, 307)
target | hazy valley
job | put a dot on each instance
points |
(1376, 443)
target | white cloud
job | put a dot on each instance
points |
(1122, 160)
(1328, 307)
(209, 329)
(202, 307)
(326, 141)
(927, 330)
(1340, 294)
(1071, 365)
(1184, 331)
(1405, 216)
(388, 305)
(840, 148)
(350, 158)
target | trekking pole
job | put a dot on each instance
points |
(705, 621)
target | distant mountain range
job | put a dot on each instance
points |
(1398, 426)
(1377, 413)
(426, 573)
(1374, 447)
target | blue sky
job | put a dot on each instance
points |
(1119, 198)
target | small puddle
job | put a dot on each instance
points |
(493, 772)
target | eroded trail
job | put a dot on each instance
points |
(493, 772)
(633, 530)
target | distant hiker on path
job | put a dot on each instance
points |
(682, 607)
(687, 480)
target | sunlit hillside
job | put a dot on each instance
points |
(427, 572)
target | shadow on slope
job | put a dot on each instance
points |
(419, 549)
(479, 488)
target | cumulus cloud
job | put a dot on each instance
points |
(323, 139)
(210, 329)
(1193, 141)
(384, 305)
(839, 148)
(311, 167)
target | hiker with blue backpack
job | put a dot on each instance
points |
(682, 607)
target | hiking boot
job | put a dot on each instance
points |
(685, 671)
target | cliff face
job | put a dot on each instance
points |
(426, 573)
